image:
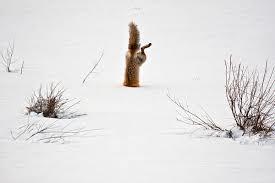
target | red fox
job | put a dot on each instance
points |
(134, 59)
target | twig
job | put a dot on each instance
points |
(48, 132)
(22, 66)
(194, 119)
(91, 71)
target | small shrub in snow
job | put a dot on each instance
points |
(251, 98)
(51, 103)
(8, 59)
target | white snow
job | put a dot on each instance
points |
(140, 139)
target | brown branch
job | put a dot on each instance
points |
(192, 118)
(21, 68)
(94, 67)
(48, 132)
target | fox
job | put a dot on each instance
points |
(135, 57)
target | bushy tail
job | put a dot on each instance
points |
(133, 37)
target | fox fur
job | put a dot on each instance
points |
(135, 57)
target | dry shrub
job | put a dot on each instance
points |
(251, 98)
(51, 103)
(9, 61)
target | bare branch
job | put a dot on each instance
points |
(21, 68)
(94, 67)
(48, 132)
(190, 118)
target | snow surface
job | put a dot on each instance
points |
(140, 139)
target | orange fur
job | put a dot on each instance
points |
(134, 57)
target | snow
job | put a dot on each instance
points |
(140, 139)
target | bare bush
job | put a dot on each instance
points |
(203, 120)
(251, 98)
(52, 103)
(8, 59)
(48, 132)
